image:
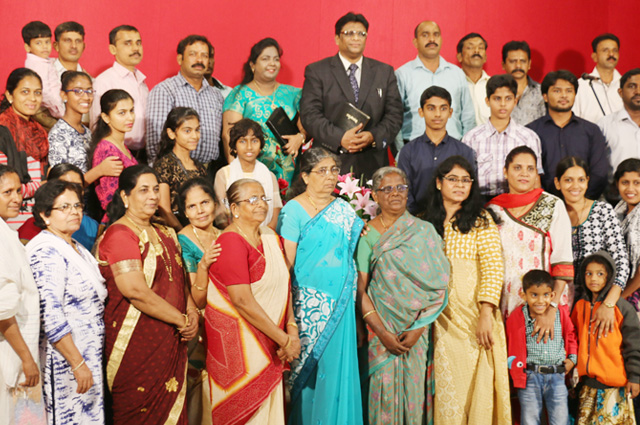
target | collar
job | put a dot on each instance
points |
(37, 58)
(530, 82)
(546, 118)
(346, 63)
(483, 78)
(123, 72)
(442, 65)
(183, 81)
(427, 140)
(507, 130)
(61, 67)
(527, 317)
(616, 74)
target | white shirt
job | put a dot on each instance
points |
(60, 69)
(478, 91)
(623, 137)
(347, 64)
(586, 105)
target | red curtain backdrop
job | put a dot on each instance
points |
(558, 31)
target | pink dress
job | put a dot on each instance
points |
(106, 186)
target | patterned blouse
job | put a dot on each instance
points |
(601, 231)
(68, 146)
(172, 172)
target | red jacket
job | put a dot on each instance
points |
(517, 342)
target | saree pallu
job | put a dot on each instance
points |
(324, 380)
(605, 406)
(408, 287)
(146, 363)
(245, 373)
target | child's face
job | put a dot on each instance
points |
(538, 298)
(187, 135)
(248, 147)
(40, 46)
(501, 103)
(595, 277)
(436, 113)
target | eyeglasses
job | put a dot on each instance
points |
(456, 180)
(66, 208)
(326, 171)
(351, 34)
(401, 188)
(80, 92)
(255, 199)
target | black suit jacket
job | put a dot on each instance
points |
(326, 89)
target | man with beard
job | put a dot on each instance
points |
(188, 88)
(593, 104)
(69, 43)
(125, 45)
(516, 60)
(564, 134)
(430, 69)
(472, 55)
(622, 128)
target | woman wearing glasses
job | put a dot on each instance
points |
(249, 297)
(402, 288)
(69, 138)
(72, 295)
(470, 359)
(320, 235)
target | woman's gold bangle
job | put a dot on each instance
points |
(294, 324)
(186, 319)
(199, 287)
(369, 313)
(195, 309)
(288, 343)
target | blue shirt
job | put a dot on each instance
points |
(579, 138)
(414, 78)
(419, 160)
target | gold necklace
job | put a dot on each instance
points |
(244, 235)
(383, 225)
(312, 203)
(198, 237)
(261, 93)
(167, 265)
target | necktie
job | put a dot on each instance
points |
(352, 79)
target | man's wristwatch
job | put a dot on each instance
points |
(554, 304)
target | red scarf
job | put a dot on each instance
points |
(29, 136)
(510, 200)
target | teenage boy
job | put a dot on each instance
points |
(420, 157)
(493, 140)
(538, 368)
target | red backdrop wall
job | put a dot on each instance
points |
(559, 32)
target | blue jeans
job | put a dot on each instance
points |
(549, 388)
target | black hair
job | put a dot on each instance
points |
(630, 73)
(603, 37)
(60, 170)
(517, 151)
(499, 81)
(351, 17)
(468, 37)
(177, 116)
(241, 129)
(631, 165)
(308, 160)
(191, 39)
(552, 77)
(108, 102)
(114, 32)
(570, 162)
(35, 29)
(126, 182)
(471, 214)
(256, 51)
(598, 259)
(13, 80)
(46, 196)
(69, 26)
(67, 78)
(186, 187)
(512, 46)
(435, 91)
(536, 278)
(5, 169)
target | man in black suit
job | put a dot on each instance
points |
(348, 77)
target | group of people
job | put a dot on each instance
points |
(166, 280)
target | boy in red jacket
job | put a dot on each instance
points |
(538, 368)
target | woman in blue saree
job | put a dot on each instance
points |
(320, 235)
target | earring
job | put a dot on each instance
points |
(236, 216)
(439, 187)
(126, 206)
(47, 222)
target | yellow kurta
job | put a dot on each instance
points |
(472, 384)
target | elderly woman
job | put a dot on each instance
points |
(402, 288)
(536, 234)
(23, 143)
(470, 359)
(150, 314)
(72, 295)
(196, 202)
(320, 235)
(19, 314)
(250, 288)
(257, 96)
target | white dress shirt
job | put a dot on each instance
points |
(586, 105)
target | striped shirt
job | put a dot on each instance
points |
(176, 91)
(28, 191)
(492, 148)
(551, 353)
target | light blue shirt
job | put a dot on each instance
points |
(414, 78)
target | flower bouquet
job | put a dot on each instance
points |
(359, 196)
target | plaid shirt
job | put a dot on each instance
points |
(176, 91)
(553, 352)
(492, 148)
